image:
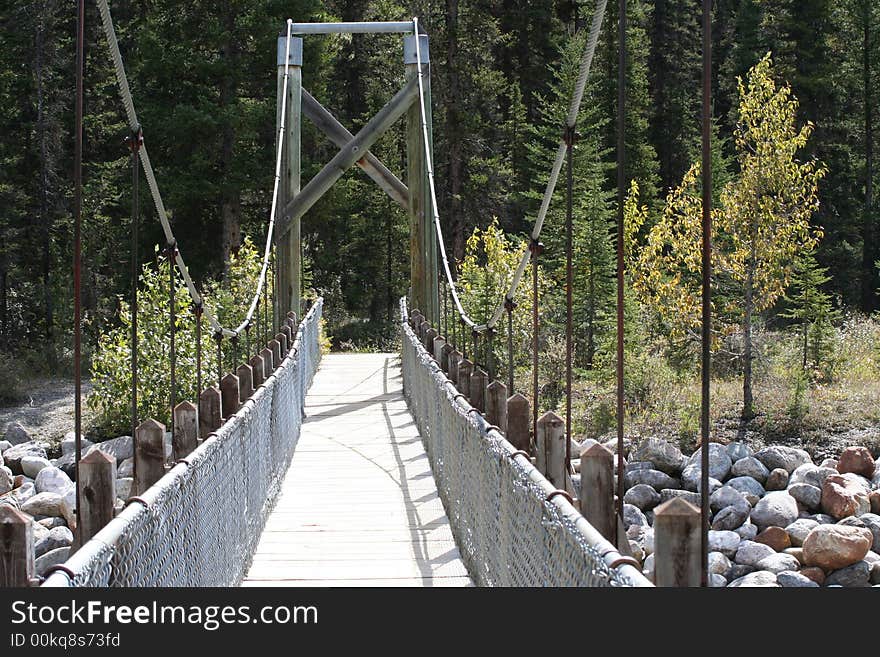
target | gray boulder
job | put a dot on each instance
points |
(775, 509)
(738, 451)
(719, 461)
(68, 443)
(23, 493)
(53, 539)
(751, 489)
(724, 497)
(642, 496)
(731, 517)
(793, 580)
(123, 487)
(799, 530)
(717, 581)
(653, 478)
(16, 453)
(51, 558)
(632, 515)
(126, 469)
(6, 480)
(738, 570)
(749, 553)
(806, 494)
(121, 448)
(760, 578)
(856, 575)
(31, 465)
(872, 522)
(806, 473)
(688, 496)
(750, 467)
(746, 531)
(632, 466)
(665, 456)
(778, 563)
(52, 480)
(780, 456)
(16, 434)
(67, 464)
(724, 542)
(43, 504)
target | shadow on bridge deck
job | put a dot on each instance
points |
(358, 506)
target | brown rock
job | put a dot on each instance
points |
(796, 552)
(777, 479)
(857, 460)
(815, 574)
(844, 495)
(17, 481)
(836, 546)
(874, 499)
(775, 537)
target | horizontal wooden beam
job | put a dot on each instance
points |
(339, 135)
(347, 156)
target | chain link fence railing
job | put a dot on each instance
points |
(510, 526)
(199, 525)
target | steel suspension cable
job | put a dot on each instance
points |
(571, 118)
(128, 102)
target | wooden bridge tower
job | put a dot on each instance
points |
(414, 197)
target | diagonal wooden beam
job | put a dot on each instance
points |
(369, 163)
(348, 155)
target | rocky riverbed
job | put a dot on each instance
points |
(44, 489)
(777, 518)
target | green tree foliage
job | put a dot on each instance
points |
(111, 366)
(813, 313)
(485, 276)
(761, 225)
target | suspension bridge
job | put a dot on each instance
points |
(410, 469)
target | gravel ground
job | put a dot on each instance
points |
(47, 414)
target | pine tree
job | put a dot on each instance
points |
(813, 312)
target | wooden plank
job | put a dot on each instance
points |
(359, 502)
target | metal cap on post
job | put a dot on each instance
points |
(409, 49)
(296, 50)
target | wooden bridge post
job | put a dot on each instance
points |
(423, 237)
(597, 489)
(428, 342)
(186, 430)
(269, 363)
(229, 395)
(479, 380)
(97, 491)
(288, 336)
(423, 329)
(210, 416)
(519, 421)
(257, 370)
(437, 350)
(550, 443)
(465, 367)
(677, 554)
(454, 361)
(289, 270)
(245, 382)
(445, 354)
(275, 347)
(496, 405)
(283, 344)
(16, 548)
(149, 454)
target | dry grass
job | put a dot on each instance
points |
(839, 406)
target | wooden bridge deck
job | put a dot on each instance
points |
(358, 506)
